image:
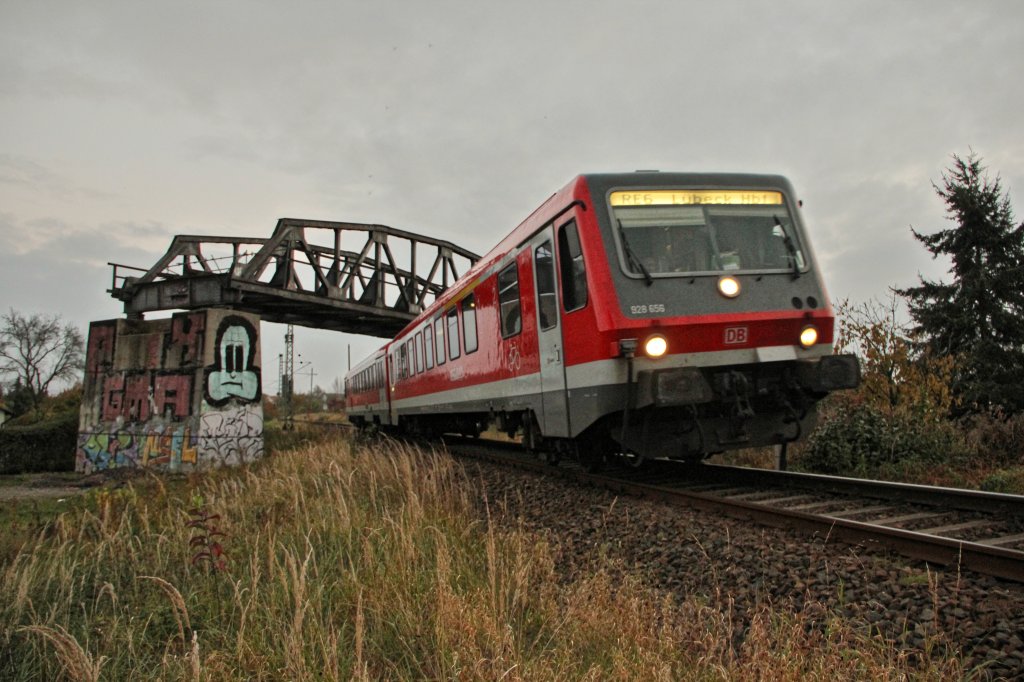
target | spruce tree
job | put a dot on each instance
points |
(978, 318)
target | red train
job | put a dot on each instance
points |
(659, 314)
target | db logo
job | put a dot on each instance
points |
(735, 335)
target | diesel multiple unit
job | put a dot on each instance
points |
(652, 314)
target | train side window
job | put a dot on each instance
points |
(453, 333)
(419, 353)
(439, 340)
(573, 270)
(508, 301)
(469, 323)
(409, 366)
(428, 346)
(547, 305)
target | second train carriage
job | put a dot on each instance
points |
(665, 314)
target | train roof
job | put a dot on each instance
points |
(583, 186)
(598, 181)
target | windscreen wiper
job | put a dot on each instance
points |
(634, 262)
(790, 247)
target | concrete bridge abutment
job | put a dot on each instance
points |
(177, 394)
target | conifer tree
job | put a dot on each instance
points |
(978, 318)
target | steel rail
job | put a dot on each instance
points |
(961, 554)
(956, 498)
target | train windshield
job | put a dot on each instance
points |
(668, 233)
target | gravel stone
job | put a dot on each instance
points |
(729, 562)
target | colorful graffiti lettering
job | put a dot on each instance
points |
(169, 446)
(100, 353)
(172, 447)
(186, 339)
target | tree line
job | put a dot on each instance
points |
(942, 392)
(37, 352)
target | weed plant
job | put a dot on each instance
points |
(348, 562)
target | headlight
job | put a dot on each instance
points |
(808, 336)
(729, 286)
(655, 346)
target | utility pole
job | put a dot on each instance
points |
(288, 377)
(308, 367)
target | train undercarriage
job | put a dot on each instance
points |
(674, 413)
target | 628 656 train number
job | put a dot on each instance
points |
(647, 308)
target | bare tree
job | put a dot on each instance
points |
(39, 350)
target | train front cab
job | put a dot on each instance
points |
(731, 349)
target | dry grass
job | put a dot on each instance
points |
(345, 563)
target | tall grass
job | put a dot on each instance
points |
(345, 563)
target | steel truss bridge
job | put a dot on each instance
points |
(374, 288)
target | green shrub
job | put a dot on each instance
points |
(1005, 481)
(995, 438)
(45, 446)
(50, 408)
(858, 439)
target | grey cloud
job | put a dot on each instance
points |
(31, 176)
(458, 118)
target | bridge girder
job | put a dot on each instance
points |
(294, 280)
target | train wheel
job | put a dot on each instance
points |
(631, 459)
(595, 449)
(593, 462)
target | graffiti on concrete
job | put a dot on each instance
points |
(185, 344)
(177, 394)
(234, 374)
(100, 354)
(232, 436)
(169, 445)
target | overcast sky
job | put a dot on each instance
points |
(125, 123)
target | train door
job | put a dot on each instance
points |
(380, 381)
(389, 386)
(554, 417)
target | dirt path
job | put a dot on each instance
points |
(25, 492)
(49, 485)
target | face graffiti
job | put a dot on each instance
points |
(233, 375)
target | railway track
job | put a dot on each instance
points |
(961, 529)
(964, 529)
